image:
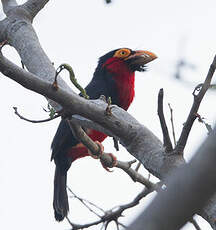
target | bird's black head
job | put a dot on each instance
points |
(135, 60)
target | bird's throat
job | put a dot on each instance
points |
(124, 81)
(125, 86)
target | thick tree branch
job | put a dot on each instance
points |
(192, 185)
(137, 139)
(8, 5)
(18, 31)
(34, 6)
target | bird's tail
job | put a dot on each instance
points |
(60, 200)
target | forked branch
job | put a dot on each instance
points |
(201, 89)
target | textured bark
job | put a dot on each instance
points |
(188, 189)
(136, 138)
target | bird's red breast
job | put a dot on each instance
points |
(121, 65)
(124, 80)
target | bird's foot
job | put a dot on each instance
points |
(105, 163)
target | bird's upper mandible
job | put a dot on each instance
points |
(134, 60)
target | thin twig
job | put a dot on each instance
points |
(138, 166)
(172, 124)
(34, 6)
(84, 202)
(102, 226)
(124, 226)
(208, 127)
(117, 224)
(108, 111)
(116, 145)
(166, 138)
(111, 215)
(3, 43)
(72, 78)
(23, 65)
(52, 112)
(201, 88)
(195, 224)
(35, 121)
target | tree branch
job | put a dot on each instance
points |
(115, 213)
(172, 124)
(192, 185)
(166, 138)
(87, 204)
(35, 121)
(8, 5)
(136, 138)
(18, 31)
(195, 224)
(192, 115)
(105, 158)
(34, 6)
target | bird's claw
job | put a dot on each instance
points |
(105, 165)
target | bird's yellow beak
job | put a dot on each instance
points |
(142, 56)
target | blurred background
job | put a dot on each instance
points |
(182, 35)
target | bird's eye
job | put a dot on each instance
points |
(122, 53)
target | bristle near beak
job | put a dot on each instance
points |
(139, 58)
(146, 56)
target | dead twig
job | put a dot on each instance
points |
(166, 138)
(115, 213)
(208, 127)
(198, 94)
(3, 43)
(35, 121)
(116, 145)
(138, 166)
(172, 123)
(87, 204)
(195, 224)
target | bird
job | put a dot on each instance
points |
(114, 77)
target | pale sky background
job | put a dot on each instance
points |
(78, 33)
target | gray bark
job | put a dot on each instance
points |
(188, 190)
(137, 139)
